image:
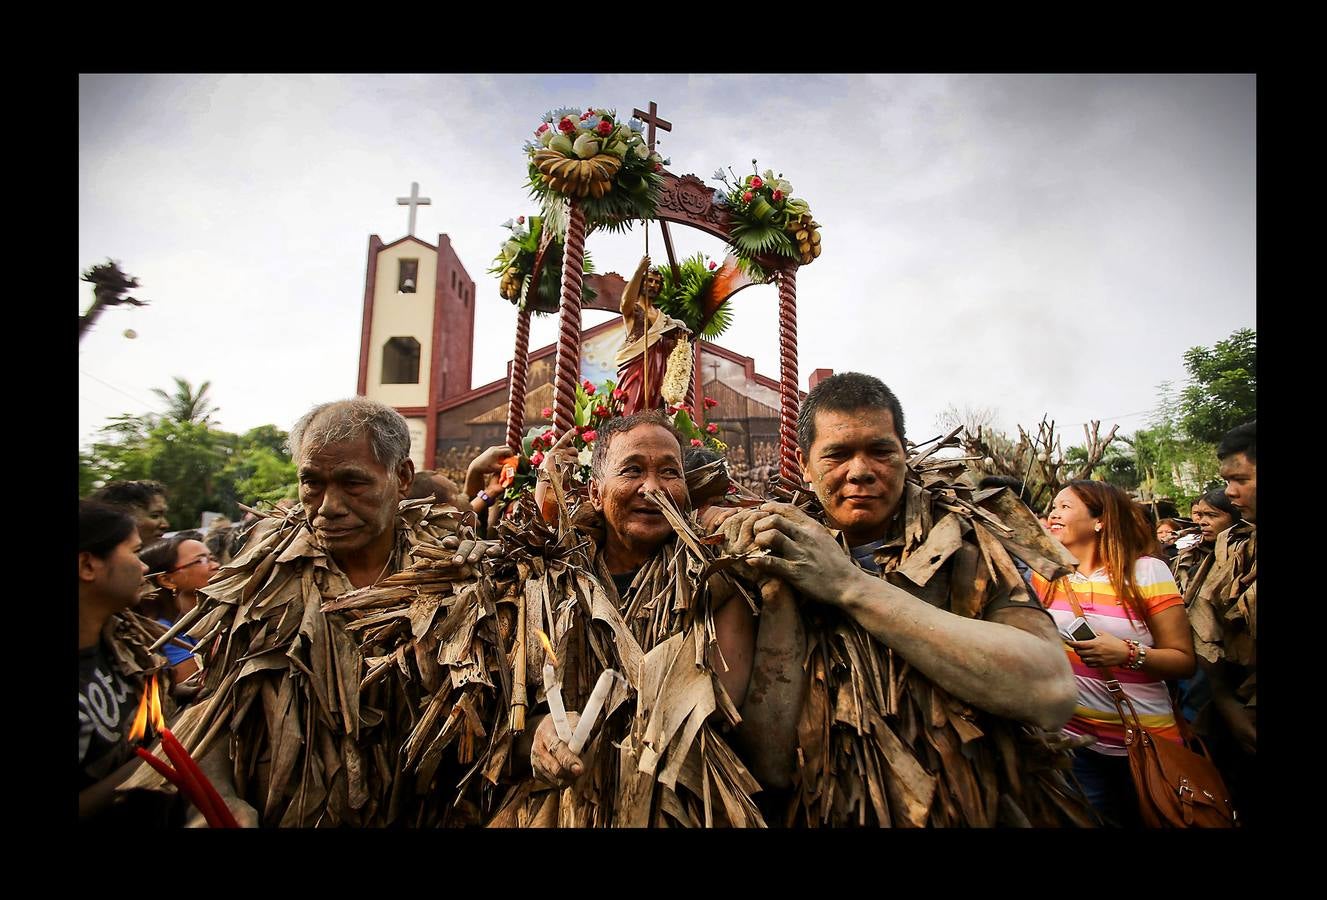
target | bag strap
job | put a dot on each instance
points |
(1117, 694)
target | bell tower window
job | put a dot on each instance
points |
(408, 278)
(400, 361)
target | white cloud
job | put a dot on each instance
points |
(1029, 243)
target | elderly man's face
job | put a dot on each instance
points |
(645, 457)
(856, 466)
(350, 497)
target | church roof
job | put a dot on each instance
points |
(746, 362)
(408, 237)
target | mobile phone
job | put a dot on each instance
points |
(1079, 630)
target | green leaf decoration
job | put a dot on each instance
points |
(757, 240)
(719, 321)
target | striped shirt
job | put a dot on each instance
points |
(1095, 714)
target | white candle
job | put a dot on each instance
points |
(553, 690)
(592, 708)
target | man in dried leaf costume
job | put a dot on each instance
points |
(929, 671)
(1225, 625)
(297, 718)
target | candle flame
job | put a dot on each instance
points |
(548, 645)
(149, 713)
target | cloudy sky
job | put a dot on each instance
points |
(1025, 244)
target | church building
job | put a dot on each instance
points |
(417, 351)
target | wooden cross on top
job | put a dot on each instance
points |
(652, 119)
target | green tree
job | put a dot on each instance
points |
(1223, 386)
(1169, 461)
(203, 467)
(186, 404)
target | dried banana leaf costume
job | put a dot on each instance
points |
(316, 736)
(879, 744)
(658, 756)
(1225, 612)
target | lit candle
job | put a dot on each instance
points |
(592, 708)
(553, 690)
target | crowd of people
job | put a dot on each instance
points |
(889, 649)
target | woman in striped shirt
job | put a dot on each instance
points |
(1129, 599)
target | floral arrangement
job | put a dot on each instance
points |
(693, 435)
(767, 219)
(514, 265)
(697, 294)
(595, 405)
(605, 164)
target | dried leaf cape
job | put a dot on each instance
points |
(879, 744)
(1191, 567)
(1225, 613)
(305, 679)
(658, 756)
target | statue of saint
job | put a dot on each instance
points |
(656, 355)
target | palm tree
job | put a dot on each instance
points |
(187, 405)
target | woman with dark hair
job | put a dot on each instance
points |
(113, 662)
(1131, 603)
(1168, 530)
(178, 567)
(1214, 513)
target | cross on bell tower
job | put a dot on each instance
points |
(413, 201)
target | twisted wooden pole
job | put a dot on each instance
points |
(788, 395)
(520, 368)
(568, 370)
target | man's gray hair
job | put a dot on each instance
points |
(346, 420)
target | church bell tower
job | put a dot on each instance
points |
(417, 337)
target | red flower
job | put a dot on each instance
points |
(537, 444)
(713, 265)
(589, 388)
(619, 394)
(546, 412)
(542, 128)
(756, 182)
(747, 197)
(585, 115)
(778, 195)
(567, 126)
(712, 428)
(697, 442)
(590, 435)
(601, 411)
(538, 458)
(658, 167)
(520, 220)
(548, 437)
(710, 403)
(605, 128)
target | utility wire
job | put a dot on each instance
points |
(114, 388)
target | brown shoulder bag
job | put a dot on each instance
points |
(1176, 786)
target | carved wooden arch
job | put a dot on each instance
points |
(683, 200)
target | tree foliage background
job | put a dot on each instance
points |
(203, 467)
(1175, 455)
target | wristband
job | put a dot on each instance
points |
(1142, 655)
(483, 495)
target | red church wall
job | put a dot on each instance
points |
(375, 245)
